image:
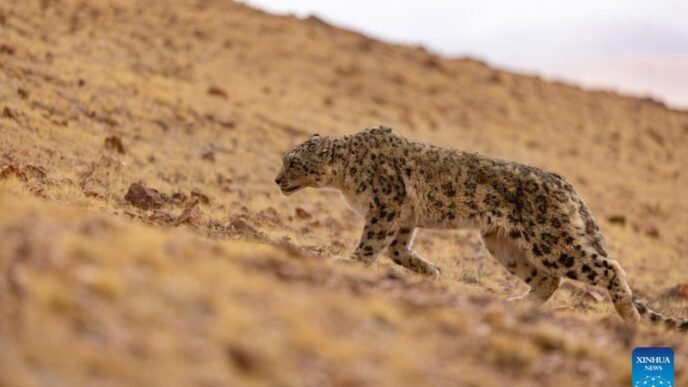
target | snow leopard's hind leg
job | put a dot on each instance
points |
(517, 262)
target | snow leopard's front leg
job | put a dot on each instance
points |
(400, 252)
(381, 227)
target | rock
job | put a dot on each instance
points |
(292, 249)
(143, 197)
(617, 219)
(269, 215)
(114, 143)
(5, 49)
(242, 227)
(227, 124)
(217, 92)
(7, 113)
(93, 194)
(242, 359)
(209, 156)
(34, 171)
(177, 198)
(12, 170)
(200, 196)
(302, 214)
(432, 62)
(495, 77)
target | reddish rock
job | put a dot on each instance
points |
(217, 92)
(242, 225)
(197, 195)
(682, 290)
(12, 170)
(143, 197)
(302, 214)
(617, 219)
(114, 143)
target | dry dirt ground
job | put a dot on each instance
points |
(204, 275)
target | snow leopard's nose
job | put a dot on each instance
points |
(278, 180)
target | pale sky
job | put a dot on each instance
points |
(634, 46)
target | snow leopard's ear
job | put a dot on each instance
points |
(322, 147)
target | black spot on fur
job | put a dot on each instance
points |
(536, 251)
(549, 238)
(550, 264)
(566, 260)
(514, 234)
(572, 274)
(449, 190)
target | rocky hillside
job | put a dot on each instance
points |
(143, 241)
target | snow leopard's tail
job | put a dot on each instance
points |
(656, 318)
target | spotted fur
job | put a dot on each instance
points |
(533, 222)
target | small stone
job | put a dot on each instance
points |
(209, 156)
(200, 196)
(5, 49)
(12, 170)
(217, 92)
(7, 113)
(114, 143)
(617, 219)
(302, 214)
(242, 359)
(143, 197)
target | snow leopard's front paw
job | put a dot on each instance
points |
(432, 271)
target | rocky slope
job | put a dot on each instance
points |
(207, 276)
